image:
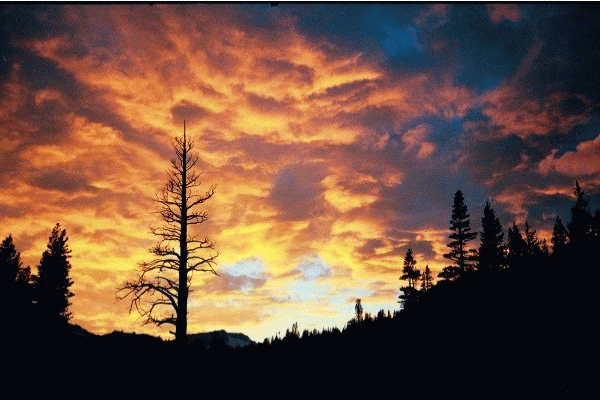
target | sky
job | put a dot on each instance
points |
(336, 136)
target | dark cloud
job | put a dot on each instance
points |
(189, 111)
(269, 104)
(286, 70)
(352, 92)
(569, 57)
(62, 181)
(297, 191)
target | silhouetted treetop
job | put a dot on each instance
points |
(491, 248)
(53, 281)
(462, 257)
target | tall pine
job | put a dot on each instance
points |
(53, 280)
(491, 248)
(426, 279)
(411, 274)
(516, 248)
(461, 256)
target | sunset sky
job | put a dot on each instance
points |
(336, 135)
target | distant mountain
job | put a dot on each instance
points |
(219, 338)
(207, 339)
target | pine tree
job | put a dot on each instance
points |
(580, 226)
(560, 237)
(15, 281)
(10, 264)
(426, 279)
(411, 274)
(516, 248)
(491, 249)
(53, 282)
(461, 235)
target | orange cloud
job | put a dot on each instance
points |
(584, 161)
(513, 115)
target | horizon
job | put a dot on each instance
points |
(336, 136)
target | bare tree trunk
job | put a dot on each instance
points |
(164, 283)
(181, 327)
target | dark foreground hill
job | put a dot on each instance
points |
(508, 335)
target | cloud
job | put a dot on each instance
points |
(416, 139)
(188, 111)
(504, 12)
(313, 268)
(62, 181)
(585, 160)
(433, 17)
(297, 191)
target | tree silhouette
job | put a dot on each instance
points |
(534, 247)
(560, 236)
(426, 279)
(516, 247)
(161, 290)
(491, 248)
(15, 280)
(10, 264)
(580, 226)
(461, 235)
(411, 274)
(52, 282)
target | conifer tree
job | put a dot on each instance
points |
(53, 282)
(411, 274)
(491, 248)
(581, 222)
(15, 280)
(10, 264)
(426, 279)
(560, 237)
(516, 247)
(461, 256)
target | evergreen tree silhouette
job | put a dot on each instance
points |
(462, 257)
(53, 282)
(16, 289)
(10, 264)
(491, 248)
(426, 279)
(516, 247)
(411, 274)
(580, 226)
(560, 237)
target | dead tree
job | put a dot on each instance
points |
(162, 287)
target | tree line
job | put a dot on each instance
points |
(521, 253)
(38, 298)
